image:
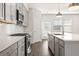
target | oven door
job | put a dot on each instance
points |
(28, 46)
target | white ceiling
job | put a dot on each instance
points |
(52, 7)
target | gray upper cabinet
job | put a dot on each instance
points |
(25, 13)
(1, 11)
(8, 11)
(17, 49)
(13, 11)
(21, 46)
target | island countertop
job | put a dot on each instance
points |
(7, 40)
(68, 37)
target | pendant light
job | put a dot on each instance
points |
(73, 6)
(59, 14)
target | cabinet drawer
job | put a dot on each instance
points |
(9, 50)
(14, 53)
(21, 50)
(22, 41)
(61, 42)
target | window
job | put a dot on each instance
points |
(67, 25)
(60, 26)
(45, 28)
(57, 26)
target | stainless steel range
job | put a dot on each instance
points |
(27, 42)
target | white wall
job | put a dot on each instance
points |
(34, 25)
(75, 24)
(29, 27)
(10, 29)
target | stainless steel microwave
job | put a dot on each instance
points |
(19, 17)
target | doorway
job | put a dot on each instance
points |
(46, 28)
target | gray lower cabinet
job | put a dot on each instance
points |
(56, 47)
(9, 50)
(17, 49)
(59, 47)
(21, 48)
(14, 53)
(49, 40)
(51, 43)
(61, 50)
(64, 46)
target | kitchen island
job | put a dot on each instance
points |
(64, 45)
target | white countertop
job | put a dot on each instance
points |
(6, 41)
(68, 37)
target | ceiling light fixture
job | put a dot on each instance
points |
(59, 14)
(73, 6)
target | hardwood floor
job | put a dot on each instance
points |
(41, 49)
